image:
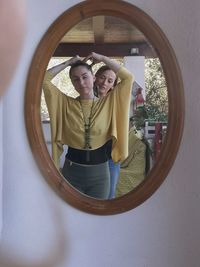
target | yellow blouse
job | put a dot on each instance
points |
(110, 118)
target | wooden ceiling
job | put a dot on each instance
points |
(107, 35)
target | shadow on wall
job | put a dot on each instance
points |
(14, 33)
(9, 58)
(56, 255)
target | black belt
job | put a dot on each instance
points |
(96, 156)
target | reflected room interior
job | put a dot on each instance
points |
(148, 116)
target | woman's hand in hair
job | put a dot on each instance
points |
(58, 68)
(94, 57)
(72, 60)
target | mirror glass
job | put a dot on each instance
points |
(148, 115)
(124, 32)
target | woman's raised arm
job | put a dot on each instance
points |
(96, 58)
(58, 68)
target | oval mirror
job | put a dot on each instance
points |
(148, 114)
(124, 32)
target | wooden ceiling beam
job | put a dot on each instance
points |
(111, 50)
(98, 29)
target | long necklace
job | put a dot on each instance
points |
(87, 126)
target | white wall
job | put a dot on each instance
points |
(136, 66)
(39, 228)
(1, 161)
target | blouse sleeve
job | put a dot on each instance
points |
(54, 100)
(120, 116)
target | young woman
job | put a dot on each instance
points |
(87, 123)
(106, 80)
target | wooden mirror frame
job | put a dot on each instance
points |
(42, 55)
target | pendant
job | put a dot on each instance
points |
(87, 126)
(87, 137)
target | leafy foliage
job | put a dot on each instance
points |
(156, 91)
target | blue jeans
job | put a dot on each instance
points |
(114, 176)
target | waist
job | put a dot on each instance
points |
(72, 163)
(89, 157)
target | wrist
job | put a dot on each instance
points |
(67, 63)
(103, 58)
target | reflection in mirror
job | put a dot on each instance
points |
(148, 111)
